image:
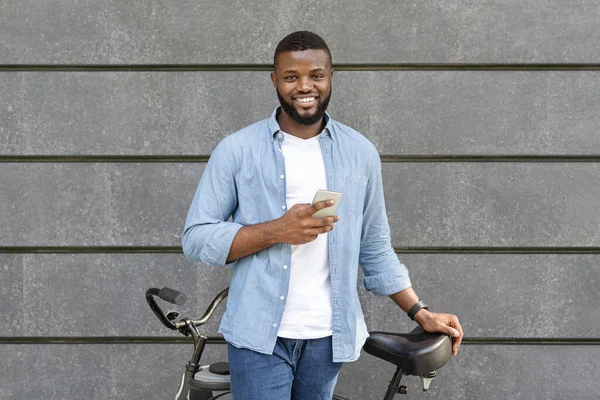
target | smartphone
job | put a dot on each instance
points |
(322, 195)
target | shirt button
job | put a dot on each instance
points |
(285, 267)
(280, 135)
(274, 325)
(281, 176)
(283, 207)
(281, 298)
(279, 150)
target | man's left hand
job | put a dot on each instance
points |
(443, 323)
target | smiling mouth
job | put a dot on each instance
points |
(306, 101)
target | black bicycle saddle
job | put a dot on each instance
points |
(415, 353)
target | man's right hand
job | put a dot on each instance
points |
(298, 226)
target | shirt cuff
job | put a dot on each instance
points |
(387, 283)
(218, 243)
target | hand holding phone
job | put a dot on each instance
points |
(323, 195)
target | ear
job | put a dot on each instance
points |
(331, 74)
(274, 79)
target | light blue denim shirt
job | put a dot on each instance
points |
(244, 183)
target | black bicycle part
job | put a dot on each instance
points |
(219, 395)
(219, 368)
(172, 296)
(415, 353)
(150, 293)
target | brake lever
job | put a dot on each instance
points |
(172, 315)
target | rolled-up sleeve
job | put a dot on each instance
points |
(384, 273)
(208, 235)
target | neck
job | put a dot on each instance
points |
(288, 125)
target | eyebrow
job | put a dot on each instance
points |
(293, 71)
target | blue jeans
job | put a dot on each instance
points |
(297, 370)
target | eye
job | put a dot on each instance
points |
(318, 76)
(290, 78)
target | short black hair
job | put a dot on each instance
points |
(301, 41)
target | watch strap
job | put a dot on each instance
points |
(416, 308)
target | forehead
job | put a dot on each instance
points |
(307, 59)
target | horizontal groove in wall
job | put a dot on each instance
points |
(104, 159)
(489, 158)
(399, 250)
(533, 341)
(219, 340)
(106, 340)
(89, 249)
(268, 67)
(204, 158)
(497, 250)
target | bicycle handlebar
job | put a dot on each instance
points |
(175, 297)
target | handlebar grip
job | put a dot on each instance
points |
(172, 296)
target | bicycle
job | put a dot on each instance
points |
(414, 353)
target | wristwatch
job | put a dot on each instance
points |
(416, 308)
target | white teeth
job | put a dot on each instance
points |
(306, 100)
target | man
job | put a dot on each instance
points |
(293, 314)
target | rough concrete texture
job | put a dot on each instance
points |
(95, 204)
(493, 204)
(102, 372)
(428, 204)
(491, 372)
(401, 112)
(153, 372)
(185, 31)
(61, 293)
(488, 291)
(11, 295)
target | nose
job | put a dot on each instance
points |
(304, 84)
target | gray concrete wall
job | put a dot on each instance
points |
(486, 117)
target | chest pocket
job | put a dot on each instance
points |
(354, 194)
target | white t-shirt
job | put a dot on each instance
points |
(307, 313)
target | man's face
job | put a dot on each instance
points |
(302, 80)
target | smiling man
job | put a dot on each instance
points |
(293, 315)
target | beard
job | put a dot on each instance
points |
(290, 110)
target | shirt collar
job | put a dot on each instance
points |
(274, 125)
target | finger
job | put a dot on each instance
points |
(326, 220)
(321, 229)
(327, 228)
(456, 325)
(319, 205)
(448, 330)
(318, 224)
(456, 345)
(456, 341)
(306, 207)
